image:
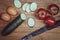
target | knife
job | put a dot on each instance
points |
(41, 30)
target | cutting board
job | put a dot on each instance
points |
(24, 29)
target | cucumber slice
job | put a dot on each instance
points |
(23, 16)
(17, 3)
(31, 22)
(24, 6)
(33, 6)
(28, 8)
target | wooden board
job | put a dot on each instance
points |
(24, 29)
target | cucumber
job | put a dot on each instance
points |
(33, 6)
(24, 6)
(28, 8)
(13, 25)
(17, 3)
(31, 22)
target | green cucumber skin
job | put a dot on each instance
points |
(12, 26)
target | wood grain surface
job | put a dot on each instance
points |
(24, 29)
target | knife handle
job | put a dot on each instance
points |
(39, 31)
(56, 25)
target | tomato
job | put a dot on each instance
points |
(53, 9)
(41, 13)
(50, 21)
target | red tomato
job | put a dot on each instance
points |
(50, 21)
(53, 9)
(41, 13)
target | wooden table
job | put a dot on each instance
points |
(24, 29)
